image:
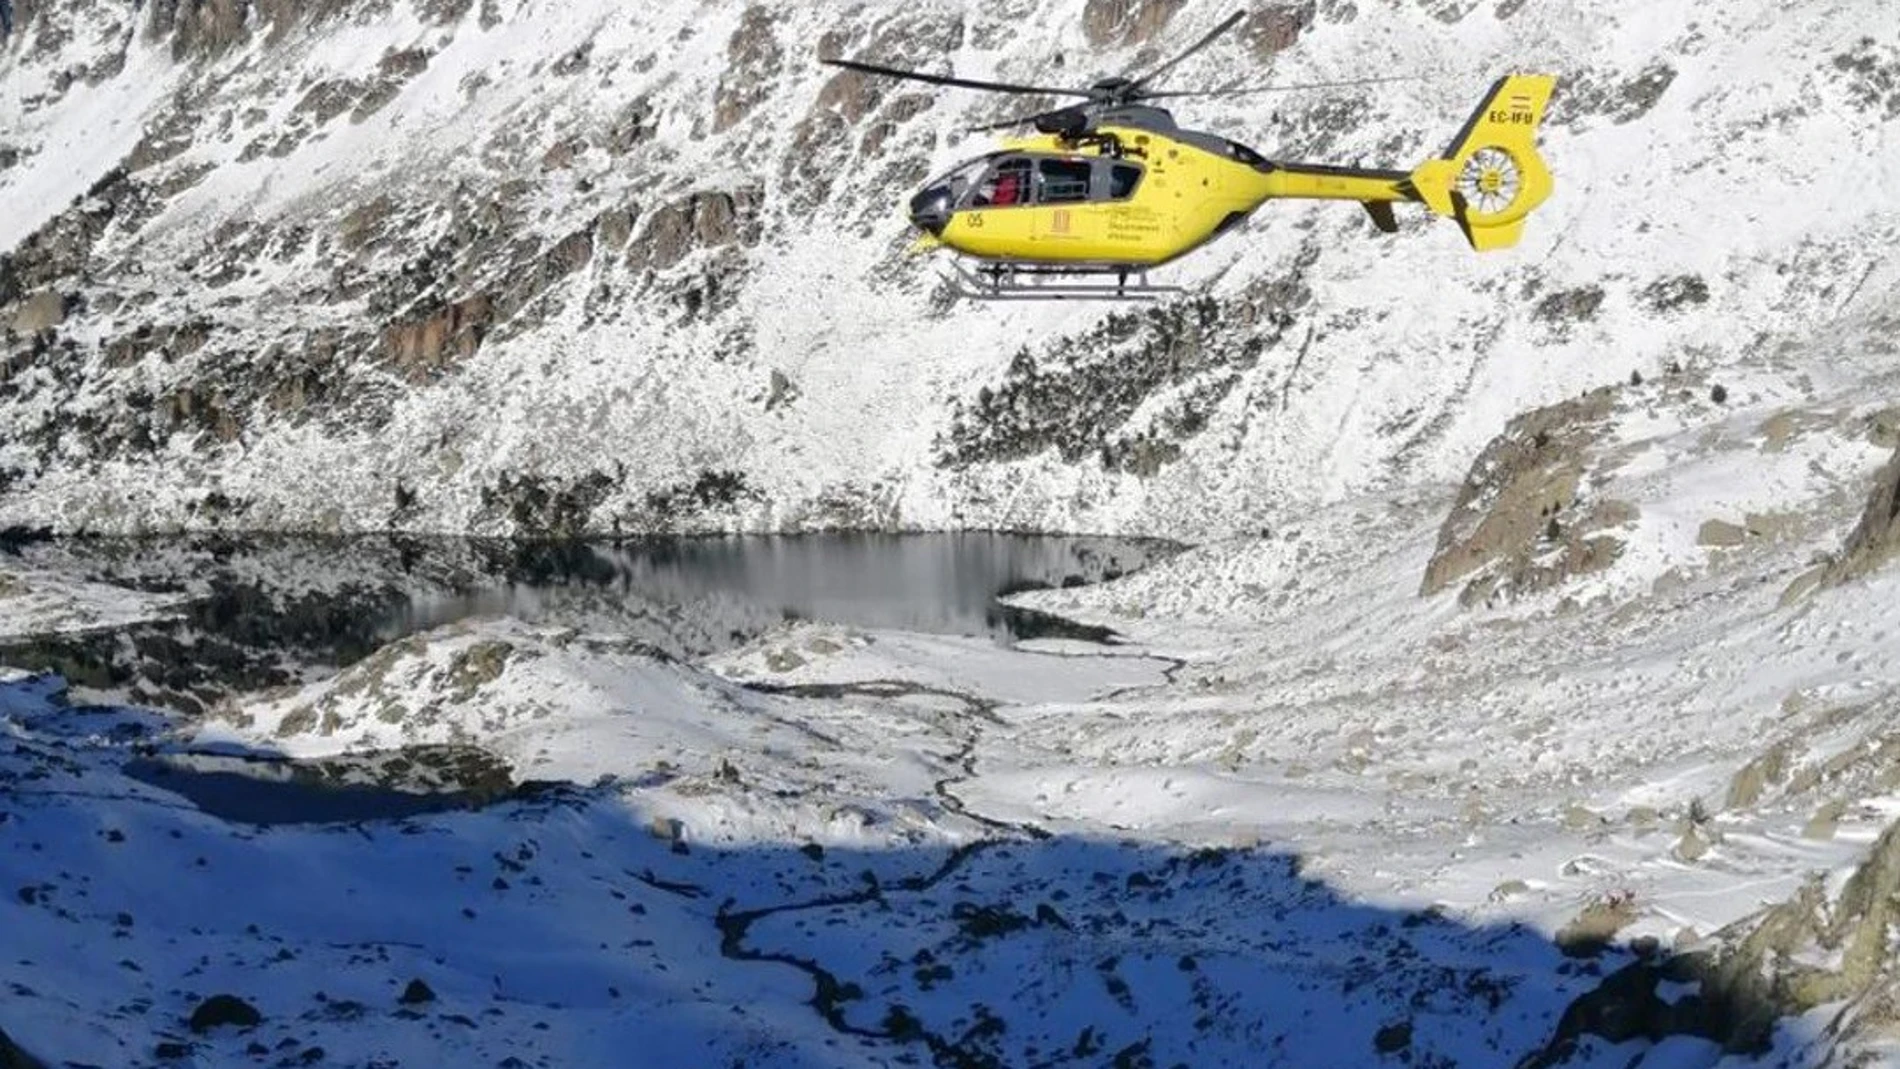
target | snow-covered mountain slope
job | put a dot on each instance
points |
(553, 267)
(1630, 805)
(1529, 699)
(841, 902)
(1634, 819)
(1651, 693)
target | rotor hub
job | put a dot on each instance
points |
(1114, 90)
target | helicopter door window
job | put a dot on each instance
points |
(1122, 180)
(1006, 186)
(1064, 180)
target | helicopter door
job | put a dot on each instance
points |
(1127, 225)
(1062, 187)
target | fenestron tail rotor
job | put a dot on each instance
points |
(1489, 181)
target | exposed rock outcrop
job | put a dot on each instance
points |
(1782, 952)
(545, 507)
(42, 311)
(1875, 540)
(1613, 95)
(1726, 1008)
(1811, 950)
(1274, 28)
(435, 339)
(1079, 398)
(61, 250)
(1871, 71)
(1108, 23)
(199, 28)
(753, 56)
(698, 221)
(1524, 519)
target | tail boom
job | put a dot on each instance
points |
(1314, 181)
(1489, 179)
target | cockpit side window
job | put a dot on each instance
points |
(959, 176)
(1122, 180)
(1007, 185)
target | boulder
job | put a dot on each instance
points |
(220, 1011)
(42, 311)
(416, 994)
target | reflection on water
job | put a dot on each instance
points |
(938, 583)
(387, 785)
(278, 610)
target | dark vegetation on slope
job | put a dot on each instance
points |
(1078, 395)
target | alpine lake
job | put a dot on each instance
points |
(219, 617)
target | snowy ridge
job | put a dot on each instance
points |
(414, 268)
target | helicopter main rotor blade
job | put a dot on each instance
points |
(1226, 25)
(1290, 87)
(944, 79)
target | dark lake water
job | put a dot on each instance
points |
(932, 582)
(390, 785)
(271, 611)
(255, 613)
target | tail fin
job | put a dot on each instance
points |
(1491, 176)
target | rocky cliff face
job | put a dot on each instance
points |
(483, 265)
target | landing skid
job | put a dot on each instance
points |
(1054, 282)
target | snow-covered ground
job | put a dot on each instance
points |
(1298, 812)
(1530, 696)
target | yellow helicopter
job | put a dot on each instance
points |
(1112, 186)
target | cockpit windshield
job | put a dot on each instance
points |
(930, 209)
(958, 179)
